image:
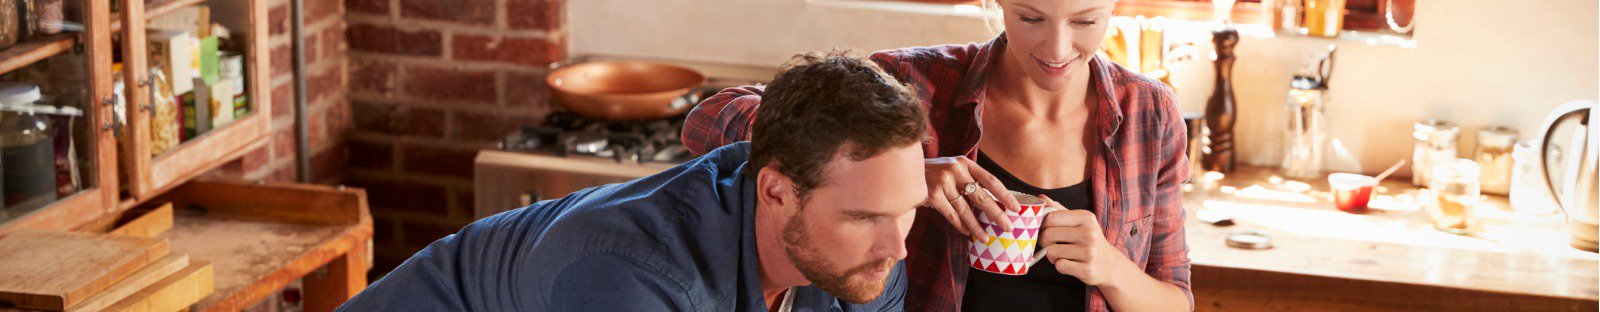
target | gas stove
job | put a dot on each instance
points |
(567, 135)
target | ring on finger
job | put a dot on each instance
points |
(953, 200)
(970, 188)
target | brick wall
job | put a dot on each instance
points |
(431, 83)
(329, 118)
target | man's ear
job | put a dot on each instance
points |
(773, 188)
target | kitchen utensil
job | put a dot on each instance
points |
(57, 270)
(1222, 108)
(1579, 194)
(1307, 128)
(1351, 192)
(626, 90)
(1391, 170)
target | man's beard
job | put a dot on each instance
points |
(807, 257)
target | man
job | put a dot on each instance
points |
(824, 197)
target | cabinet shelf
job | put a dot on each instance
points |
(33, 51)
(157, 9)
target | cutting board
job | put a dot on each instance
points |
(144, 278)
(56, 270)
(175, 293)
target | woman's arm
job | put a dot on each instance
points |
(1164, 283)
(721, 119)
(725, 117)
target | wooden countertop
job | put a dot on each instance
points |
(1515, 253)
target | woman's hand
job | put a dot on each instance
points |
(1077, 246)
(956, 185)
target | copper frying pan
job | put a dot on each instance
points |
(626, 90)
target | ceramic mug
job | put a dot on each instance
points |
(1011, 252)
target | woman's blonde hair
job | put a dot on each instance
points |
(993, 18)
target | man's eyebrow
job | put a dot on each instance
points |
(864, 214)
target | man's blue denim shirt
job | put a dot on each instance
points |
(680, 240)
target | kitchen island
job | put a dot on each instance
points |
(1389, 258)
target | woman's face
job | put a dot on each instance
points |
(1050, 39)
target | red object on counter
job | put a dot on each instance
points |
(1353, 201)
(1351, 192)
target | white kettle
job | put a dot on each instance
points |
(1579, 194)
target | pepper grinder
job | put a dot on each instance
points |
(1221, 108)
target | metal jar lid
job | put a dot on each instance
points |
(1497, 136)
(19, 93)
(1434, 129)
(232, 64)
(1249, 239)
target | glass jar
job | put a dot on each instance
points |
(27, 151)
(1323, 18)
(10, 23)
(1453, 196)
(1436, 143)
(1307, 130)
(42, 17)
(1529, 192)
(164, 115)
(1493, 154)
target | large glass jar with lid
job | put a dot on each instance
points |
(10, 23)
(27, 151)
(1307, 129)
(1493, 153)
(1435, 143)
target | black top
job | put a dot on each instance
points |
(1043, 288)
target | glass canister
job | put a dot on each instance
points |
(1436, 143)
(1307, 129)
(1323, 18)
(10, 23)
(27, 151)
(42, 17)
(1453, 196)
(1529, 193)
(1493, 154)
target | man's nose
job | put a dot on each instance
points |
(892, 242)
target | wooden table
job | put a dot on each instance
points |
(1387, 259)
(262, 237)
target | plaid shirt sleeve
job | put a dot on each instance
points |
(1169, 250)
(721, 119)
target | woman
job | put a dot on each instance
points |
(1033, 110)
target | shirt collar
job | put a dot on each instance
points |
(739, 192)
(1108, 119)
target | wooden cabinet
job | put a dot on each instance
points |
(149, 176)
(259, 237)
(95, 130)
(145, 177)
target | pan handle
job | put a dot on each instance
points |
(693, 97)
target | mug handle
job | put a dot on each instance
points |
(1039, 255)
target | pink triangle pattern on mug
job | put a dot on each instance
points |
(1010, 252)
